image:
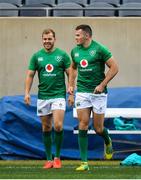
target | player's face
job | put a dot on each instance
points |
(48, 41)
(80, 37)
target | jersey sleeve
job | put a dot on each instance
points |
(72, 55)
(67, 61)
(32, 64)
(106, 54)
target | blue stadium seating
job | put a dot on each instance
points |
(35, 12)
(81, 2)
(134, 12)
(15, 2)
(63, 10)
(92, 12)
(131, 1)
(8, 12)
(32, 2)
(113, 2)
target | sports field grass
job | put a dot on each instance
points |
(98, 170)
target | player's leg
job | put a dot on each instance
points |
(102, 131)
(58, 109)
(99, 108)
(83, 107)
(58, 116)
(47, 139)
(83, 117)
(43, 111)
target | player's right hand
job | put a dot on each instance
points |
(27, 99)
(70, 90)
(71, 100)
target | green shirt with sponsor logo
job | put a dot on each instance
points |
(90, 63)
(50, 67)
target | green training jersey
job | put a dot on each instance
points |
(50, 67)
(90, 63)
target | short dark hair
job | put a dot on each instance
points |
(86, 28)
(47, 31)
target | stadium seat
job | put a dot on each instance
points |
(32, 2)
(15, 2)
(68, 10)
(92, 12)
(133, 12)
(113, 2)
(35, 12)
(8, 12)
(131, 1)
(81, 2)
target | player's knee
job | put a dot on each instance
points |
(99, 130)
(46, 127)
(58, 127)
(83, 125)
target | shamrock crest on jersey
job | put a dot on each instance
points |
(58, 58)
(49, 68)
(84, 63)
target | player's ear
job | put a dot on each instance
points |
(86, 35)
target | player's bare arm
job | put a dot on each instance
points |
(28, 84)
(113, 70)
(72, 77)
(67, 71)
(71, 97)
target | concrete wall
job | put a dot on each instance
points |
(21, 37)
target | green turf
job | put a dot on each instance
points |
(98, 170)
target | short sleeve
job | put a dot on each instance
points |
(67, 61)
(33, 64)
(72, 55)
(106, 54)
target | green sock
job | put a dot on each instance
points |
(47, 139)
(105, 136)
(83, 144)
(58, 137)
